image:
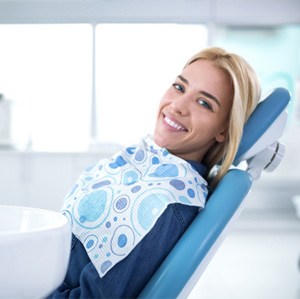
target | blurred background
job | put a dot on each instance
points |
(81, 78)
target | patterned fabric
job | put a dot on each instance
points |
(116, 202)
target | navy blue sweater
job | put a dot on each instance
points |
(127, 278)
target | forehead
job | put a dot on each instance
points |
(205, 69)
(204, 75)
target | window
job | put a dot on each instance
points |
(49, 73)
(46, 71)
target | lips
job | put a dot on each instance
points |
(175, 125)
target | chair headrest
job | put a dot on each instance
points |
(258, 132)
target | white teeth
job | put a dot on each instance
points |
(173, 124)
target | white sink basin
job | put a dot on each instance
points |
(34, 251)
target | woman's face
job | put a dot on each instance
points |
(193, 113)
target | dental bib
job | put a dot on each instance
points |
(115, 203)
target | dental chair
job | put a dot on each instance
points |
(259, 148)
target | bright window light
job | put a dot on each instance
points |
(135, 64)
(47, 73)
(46, 70)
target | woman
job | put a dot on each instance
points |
(199, 124)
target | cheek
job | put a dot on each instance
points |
(207, 127)
(167, 96)
(163, 102)
(159, 109)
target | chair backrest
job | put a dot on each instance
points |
(183, 267)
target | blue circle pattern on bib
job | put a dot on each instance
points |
(115, 203)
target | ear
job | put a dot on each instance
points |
(222, 136)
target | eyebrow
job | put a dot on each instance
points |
(205, 93)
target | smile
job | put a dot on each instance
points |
(174, 125)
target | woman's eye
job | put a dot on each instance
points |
(205, 104)
(178, 87)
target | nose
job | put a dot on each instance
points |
(180, 105)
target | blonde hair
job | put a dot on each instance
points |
(246, 94)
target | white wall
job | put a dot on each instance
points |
(40, 179)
